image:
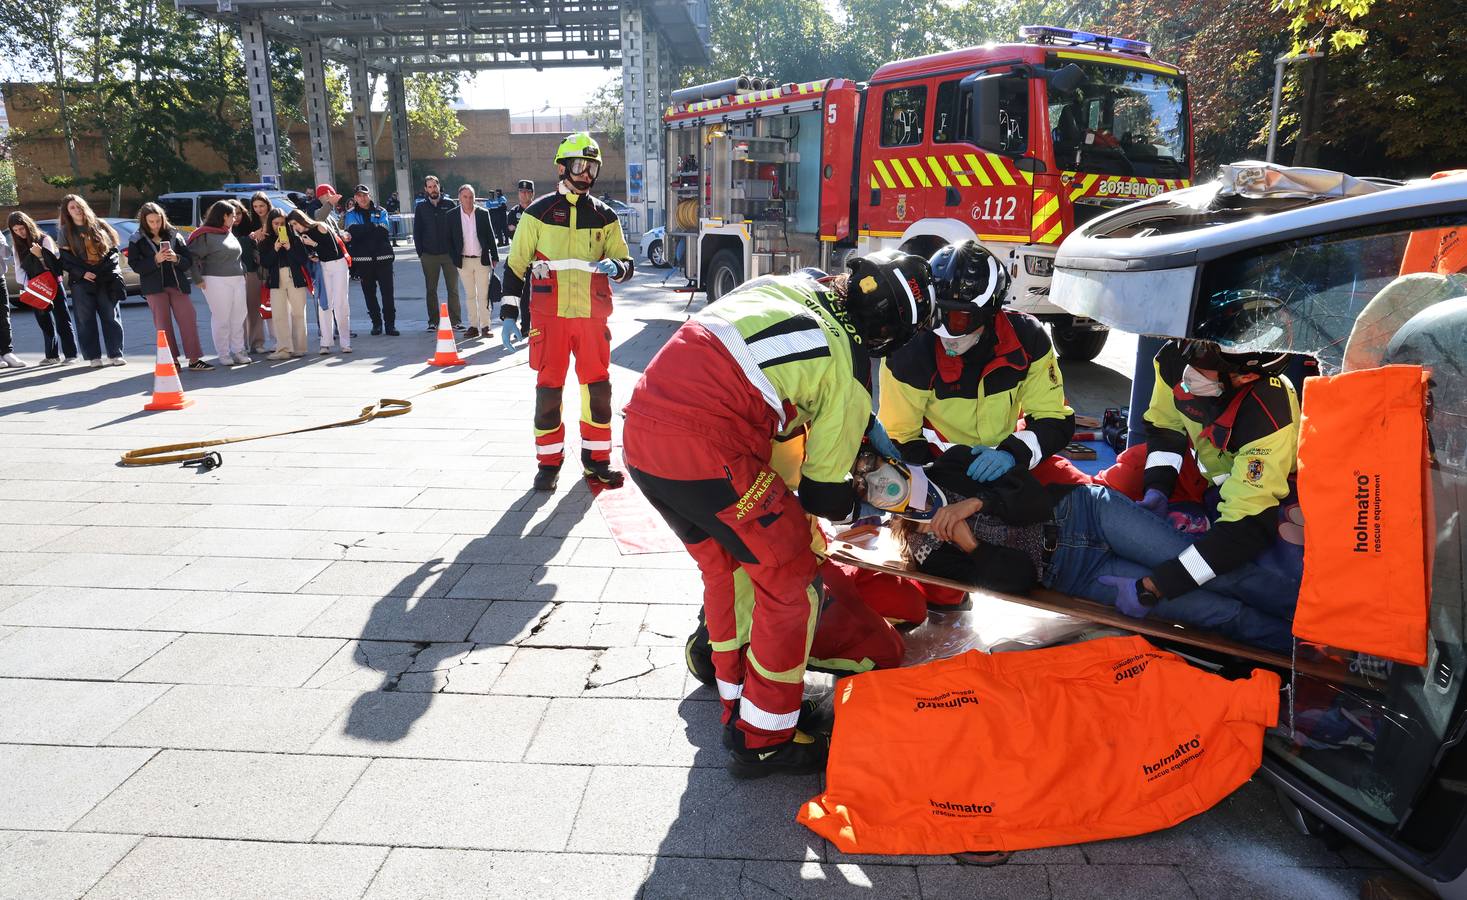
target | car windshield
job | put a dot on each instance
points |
(1122, 121)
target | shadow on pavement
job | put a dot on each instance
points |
(415, 671)
(736, 838)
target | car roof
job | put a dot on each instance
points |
(1210, 234)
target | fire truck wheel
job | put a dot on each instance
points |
(725, 273)
(1078, 344)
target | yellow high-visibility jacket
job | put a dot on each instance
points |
(564, 226)
(979, 397)
(1246, 441)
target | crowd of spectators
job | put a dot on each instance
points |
(259, 269)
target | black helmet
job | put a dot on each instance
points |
(1208, 355)
(971, 286)
(889, 299)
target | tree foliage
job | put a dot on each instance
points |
(604, 111)
(788, 40)
(145, 82)
(430, 98)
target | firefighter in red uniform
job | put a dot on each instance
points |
(777, 355)
(568, 247)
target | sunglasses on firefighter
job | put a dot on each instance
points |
(584, 166)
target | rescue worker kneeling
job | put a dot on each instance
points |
(977, 375)
(1013, 533)
(776, 355)
(1239, 415)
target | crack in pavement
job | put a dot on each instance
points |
(544, 619)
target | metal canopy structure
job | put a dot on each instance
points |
(646, 38)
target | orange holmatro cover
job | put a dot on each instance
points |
(1369, 531)
(1103, 739)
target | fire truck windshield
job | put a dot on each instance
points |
(1122, 121)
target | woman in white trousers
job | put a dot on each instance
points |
(334, 291)
(218, 269)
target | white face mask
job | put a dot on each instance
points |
(957, 346)
(1200, 385)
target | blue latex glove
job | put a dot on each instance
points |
(865, 510)
(881, 441)
(989, 463)
(1127, 600)
(1155, 502)
(608, 267)
(509, 332)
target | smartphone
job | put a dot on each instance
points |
(280, 234)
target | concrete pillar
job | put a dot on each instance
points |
(401, 159)
(256, 51)
(361, 118)
(646, 83)
(318, 116)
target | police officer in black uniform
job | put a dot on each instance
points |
(526, 196)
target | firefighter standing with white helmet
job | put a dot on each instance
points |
(777, 356)
(568, 247)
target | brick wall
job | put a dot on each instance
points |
(488, 156)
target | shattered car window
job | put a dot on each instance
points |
(1307, 296)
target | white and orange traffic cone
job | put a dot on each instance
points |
(447, 353)
(167, 389)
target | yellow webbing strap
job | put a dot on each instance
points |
(385, 408)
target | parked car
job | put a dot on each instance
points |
(621, 209)
(654, 246)
(186, 209)
(125, 229)
(1310, 262)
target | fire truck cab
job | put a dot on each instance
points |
(1013, 144)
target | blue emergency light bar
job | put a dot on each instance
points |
(1048, 34)
(252, 186)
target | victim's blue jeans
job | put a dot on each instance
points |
(1102, 532)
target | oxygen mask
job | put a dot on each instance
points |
(892, 486)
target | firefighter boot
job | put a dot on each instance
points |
(817, 717)
(546, 477)
(802, 754)
(602, 473)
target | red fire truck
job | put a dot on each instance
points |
(1012, 144)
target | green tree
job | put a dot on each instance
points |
(430, 99)
(604, 111)
(879, 31)
(36, 39)
(788, 40)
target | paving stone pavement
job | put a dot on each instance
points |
(373, 663)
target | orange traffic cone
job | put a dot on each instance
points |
(447, 354)
(167, 389)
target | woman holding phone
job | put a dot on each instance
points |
(90, 256)
(161, 258)
(283, 262)
(251, 232)
(321, 241)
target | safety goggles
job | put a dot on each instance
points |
(583, 166)
(959, 321)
